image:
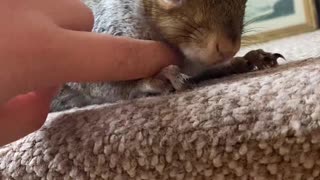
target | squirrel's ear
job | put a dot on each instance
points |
(171, 4)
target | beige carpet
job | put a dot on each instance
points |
(260, 126)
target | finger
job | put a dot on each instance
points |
(79, 17)
(84, 56)
(58, 56)
(73, 56)
(24, 114)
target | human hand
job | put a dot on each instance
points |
(53, 49)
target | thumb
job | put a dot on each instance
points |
(24, 114)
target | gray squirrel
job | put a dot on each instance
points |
(207, 32)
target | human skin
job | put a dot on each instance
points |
(46, 43)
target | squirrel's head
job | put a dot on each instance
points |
(206, 31)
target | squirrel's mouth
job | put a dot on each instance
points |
(201, 57)
(193, 67)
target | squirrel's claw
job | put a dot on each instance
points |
(278, 55)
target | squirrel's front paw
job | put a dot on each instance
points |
(169, 80)
(257, 59)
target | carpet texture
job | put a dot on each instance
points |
(261, 125)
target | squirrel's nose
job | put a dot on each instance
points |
(227, 48)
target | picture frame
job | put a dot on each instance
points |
(317, 2)
(270, 22)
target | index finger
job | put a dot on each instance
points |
(62, 56)
(86, 56)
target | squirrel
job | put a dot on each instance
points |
(206, 32)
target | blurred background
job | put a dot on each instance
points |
(267, 9)
(273, 19)
(288, 27)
